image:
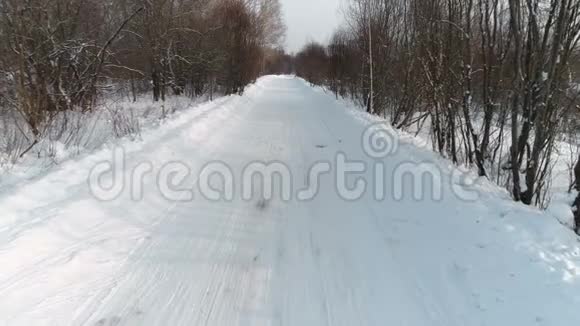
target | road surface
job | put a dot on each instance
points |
(68, 258)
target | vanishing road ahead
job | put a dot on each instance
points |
(396, 257)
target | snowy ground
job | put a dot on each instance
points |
(73, 134)
(67, 258)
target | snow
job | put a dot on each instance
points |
(68, 258)
(74, 134)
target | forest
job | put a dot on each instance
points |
(495, 83)
(290, 162)
(62, 56)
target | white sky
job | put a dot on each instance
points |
(310, 20)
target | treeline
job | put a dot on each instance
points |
(485, 74)
(61, 55)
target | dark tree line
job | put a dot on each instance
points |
(497, 81)
(62, 55)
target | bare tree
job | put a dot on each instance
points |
(487, 74)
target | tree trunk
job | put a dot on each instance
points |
(576, 205)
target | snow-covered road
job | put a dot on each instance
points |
(67, 258)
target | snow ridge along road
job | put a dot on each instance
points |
(421, 259)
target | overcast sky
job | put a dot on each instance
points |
(310, 20)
